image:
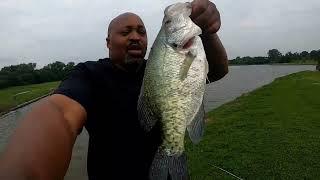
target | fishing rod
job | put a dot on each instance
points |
(237, 177)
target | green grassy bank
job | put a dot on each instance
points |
(9, 100)
(270, 133)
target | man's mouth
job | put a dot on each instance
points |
(134, 49)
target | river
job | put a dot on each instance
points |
(239, 80)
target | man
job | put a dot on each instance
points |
(101, 96)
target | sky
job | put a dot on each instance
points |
(75, 30)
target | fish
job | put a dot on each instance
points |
(172, 90)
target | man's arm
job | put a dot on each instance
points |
(207, 17)
(41, 146)
(216, 56)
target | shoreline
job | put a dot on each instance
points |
(282, 64)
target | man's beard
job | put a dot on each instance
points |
(132, 60)
(132, 64)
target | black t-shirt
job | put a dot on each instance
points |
(118, 147)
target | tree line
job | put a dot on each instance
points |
(275, 56)
(24, 74)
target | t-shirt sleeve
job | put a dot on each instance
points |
(77, 86)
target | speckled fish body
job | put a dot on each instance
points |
(172, 91)
(175, 78)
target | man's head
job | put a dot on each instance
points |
(127, 39)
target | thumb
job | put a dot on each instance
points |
(198, 7)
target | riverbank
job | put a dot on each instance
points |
(15, 96)
(270, 133)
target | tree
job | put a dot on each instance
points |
(20, 68)
(68, 68)
(315, 55)
(288, 57)
(55, 70)
(23, 74)
(296, 56)
(274, 55)
(304, 54)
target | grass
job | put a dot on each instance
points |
(270, 133)
(7, 99)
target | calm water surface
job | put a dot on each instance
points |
(239, 80)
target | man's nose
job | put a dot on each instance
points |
(134, 36)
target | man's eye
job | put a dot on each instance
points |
(124, 33)
(142, 31)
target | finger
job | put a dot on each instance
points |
(213, 28)
(214, 24)
(198, 7)
(209, 17)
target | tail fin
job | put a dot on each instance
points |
(166, 167)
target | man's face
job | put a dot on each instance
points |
(127, 41)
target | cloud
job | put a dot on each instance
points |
(75, 30)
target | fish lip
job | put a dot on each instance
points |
(188, 43)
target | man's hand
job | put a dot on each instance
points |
(206, 16)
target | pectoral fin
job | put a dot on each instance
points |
(186, 65)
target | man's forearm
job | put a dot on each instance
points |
(40, 148)
(216, 56)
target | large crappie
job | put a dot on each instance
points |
(173, 89)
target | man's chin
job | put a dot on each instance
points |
(133, 59)
(132, 64)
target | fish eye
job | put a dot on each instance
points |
(167, 22)
(175, 45)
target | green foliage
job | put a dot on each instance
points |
(275, 56)
(24, 74)
(250, 60)
(270, 133)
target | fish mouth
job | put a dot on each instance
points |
(187, 44)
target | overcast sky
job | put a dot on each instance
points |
(74, 30)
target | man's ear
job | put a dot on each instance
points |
(108, 42)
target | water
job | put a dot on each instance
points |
(242, 79)
(239, 80)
